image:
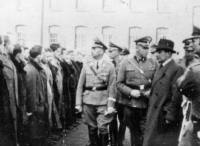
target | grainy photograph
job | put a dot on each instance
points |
(100, 73)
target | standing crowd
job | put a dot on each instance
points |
(156, 98)
(37, 92)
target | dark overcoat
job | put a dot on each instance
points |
(164, 104)
(36, 100)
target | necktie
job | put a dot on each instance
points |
(161, 65)
(114, 63)
(97, 65)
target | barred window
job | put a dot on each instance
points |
(56, 5)
(134, 33)
(81, 37)
(21, 34)
(107, 32)
(54, 34)
(161, 32)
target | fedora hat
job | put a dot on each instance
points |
(166, 45)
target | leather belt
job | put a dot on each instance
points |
(91, 88)
(137, 87)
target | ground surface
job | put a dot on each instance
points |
(78, 137)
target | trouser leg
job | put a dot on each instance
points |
(135, 120)
(113, 131)
(122, 125)
(90, 115)
(93, 136)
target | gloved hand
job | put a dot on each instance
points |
(110, 111)
(135, 93)
(78, 109)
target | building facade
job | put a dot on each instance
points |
(74, 23)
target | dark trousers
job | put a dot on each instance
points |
(135, 120)
(117, 134)
(196, 128)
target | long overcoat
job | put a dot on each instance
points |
(164, 104)
(37, 102)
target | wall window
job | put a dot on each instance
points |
(109, 5)
(56, 5)
(81, 37)
(107, 32)
(21, 34)
(23, 4)
(137, 5)
(196, 16)
(82, 5)
(165, 5)
(54, 31)
(134, 33)
(161, 32)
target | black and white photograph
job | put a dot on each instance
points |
(99, 72)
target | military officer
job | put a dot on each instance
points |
(134, 81)
(117, 136)
(189, 84)
(189, 49)
(95, 94)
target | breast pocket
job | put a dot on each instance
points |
(131, 73)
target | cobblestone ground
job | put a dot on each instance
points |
(78, 137)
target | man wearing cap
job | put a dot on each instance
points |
(117, 136)
(95, 94)
(134, 82)
(36, 102)
(189, 86)
(162, 126)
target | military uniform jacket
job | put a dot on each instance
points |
(190, 87)
(106, 72)
(130, 77)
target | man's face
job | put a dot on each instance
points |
(97, 52)
(189, 51)
(113, 52)
(142, 51)
(162, 56)
(196, 41)
(38, 58)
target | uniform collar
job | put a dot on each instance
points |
(140, 59)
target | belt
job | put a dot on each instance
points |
(134, 87)
(137, 87)
(96, 88)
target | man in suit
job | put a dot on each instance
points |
(162, 126)
(95, 94)
(134, 82)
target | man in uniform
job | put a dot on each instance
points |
(117, 136)
(95, 94)
(189, 49)
(134, 82)
(189, 86)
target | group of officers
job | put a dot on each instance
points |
(37, 92)
(144, 94)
